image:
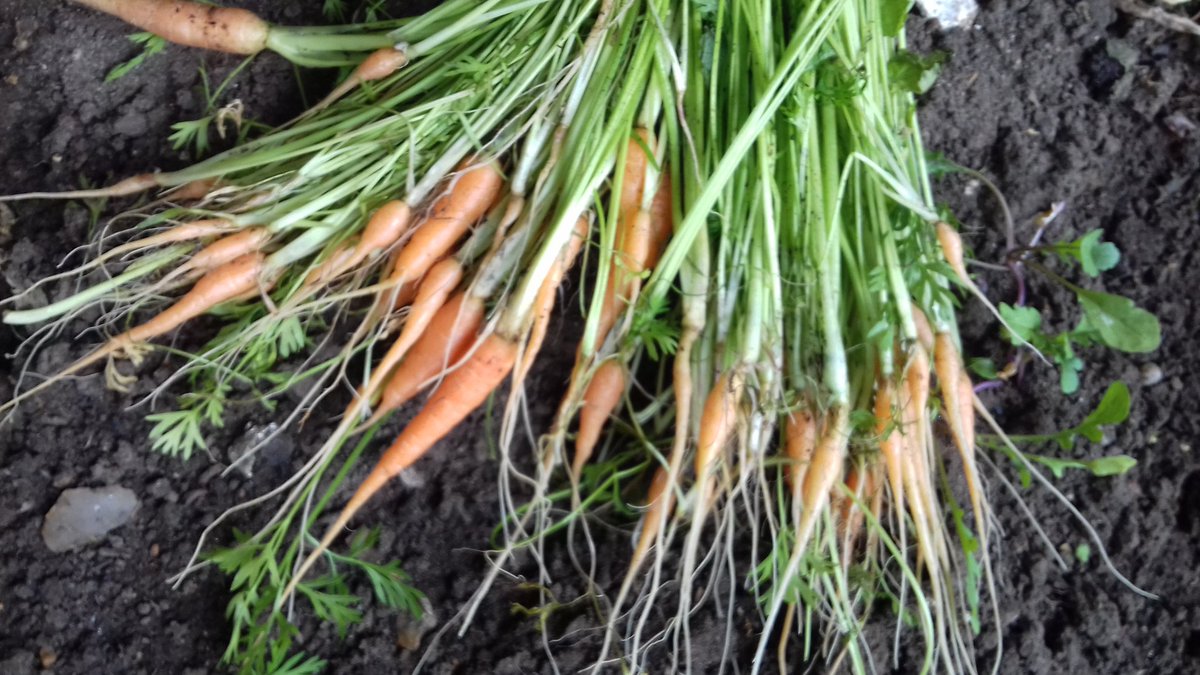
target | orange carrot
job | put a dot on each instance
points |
(384, 228)
(436, 287)
(958, 404)
(443, 343)
(659, 500)
(380, 64)
(823, 471)
(463, 390)
(952, 249)
(889, 440)
(800, 441)
(543, 304)
(717, 424)
(228, 282)
(634, 177)
(197, 189)
(197, 229)
(469, 198)
(662, 221)
(223, 29)
(601, 398)
(229, 248)
(924, 332)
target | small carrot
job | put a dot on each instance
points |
(192, 24)
(600, 399)
(443, 343)
(952, 250)
(717, 423)
(228, 248)
(889, 440)
(197, 229)
(468, 199)
(378, 65)
(662, 221)
(228, 282)
(463, 390)
(924, 332)
(800, 440)
(543, 304)
(384, 228)
(634, 177)
(435, 289)
(124, 188)
(958, 403)
(823, 471)
(190, 192)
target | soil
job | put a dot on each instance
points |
(1064, 101)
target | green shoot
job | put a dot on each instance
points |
(151, 45)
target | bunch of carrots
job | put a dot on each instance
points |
(769, 300)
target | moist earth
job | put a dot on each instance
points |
(1054, 101)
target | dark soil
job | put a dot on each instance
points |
(1054, 100)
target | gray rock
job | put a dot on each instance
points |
(84, 515)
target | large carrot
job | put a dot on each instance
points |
(463, 390)
(192, 24)
(600, 399)
(230, 281)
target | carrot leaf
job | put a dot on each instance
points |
(151, 45)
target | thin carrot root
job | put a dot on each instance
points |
(444, 343)
(192, 24)
(600, 399)
(129, 186)
(960, 416)
(463, 390)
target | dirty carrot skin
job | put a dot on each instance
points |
(464, 389)
(600, 399)
(192, 24)
(230, 281)
(443, 344)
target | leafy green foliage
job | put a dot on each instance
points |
(894, 13)
(192, 133)
(178, 432)
(1026, 328)
(262, 639)
(151, 45)
(1092, 253)
(1113, 409)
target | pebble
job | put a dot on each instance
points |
(1151, 374)
(411, 630)
(84, 515)
(47, 658)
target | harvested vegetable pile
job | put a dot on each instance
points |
(769, 293)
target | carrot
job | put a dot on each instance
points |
(228, 248)
(634, 177)
(823, 471)
(924, 332)
(659, 500)
(228, 282)
(197, 229)
(452, 214)
(378, 65)
(384, 228)
(889, 441)
(717, 423)
(463, 390)
(952, 250)
(958, 401)
(443, 343)
(222, 29)
(189, 192)
(543, 304)
(662, 221)
(129, 186)
(800, 441)
(435, 289)
(600, 399)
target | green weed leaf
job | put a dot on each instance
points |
(1096, 256)
(1119, 323)
(151, 45)
(894, 14)
(914, 73)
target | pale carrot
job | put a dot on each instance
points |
(600, 399)
(958, 404)
(192, 24)
(823, 471)
(464, 389)
(197, 229)
(543, 304)
(889, 440)
(228, 248)
(129, 186)
(924, 331)
(195, 190)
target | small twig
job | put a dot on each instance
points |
(1159, 16)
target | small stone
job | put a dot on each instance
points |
(47, 658)
(410, 630)
(154, 550)
(84, 515)
(1151, 374)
